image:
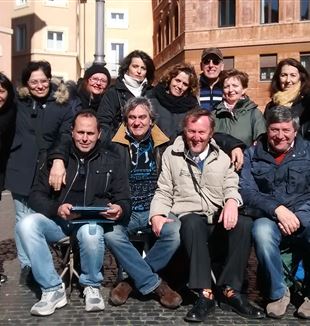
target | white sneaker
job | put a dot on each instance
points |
(93, 299)
(50, 301)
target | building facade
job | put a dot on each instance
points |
(63, 32)
(253, 35)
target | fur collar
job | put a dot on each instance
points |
(59, 91)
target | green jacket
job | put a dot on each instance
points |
(245, 121)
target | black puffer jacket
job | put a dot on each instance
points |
(39, 125)
(105, 183)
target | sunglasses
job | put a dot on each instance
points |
(215, 61)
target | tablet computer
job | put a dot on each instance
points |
(89, 212)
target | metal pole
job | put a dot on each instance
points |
(99, 54)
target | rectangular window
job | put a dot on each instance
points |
(20, 37)
(304, 10)
(227, 13)
(269, 11)
(117, 19)
(20, 2)
(117, 52)
(268, 65)
(229, 62)
(55, 40)
(116, 56)
(305, 60)
(56, 3)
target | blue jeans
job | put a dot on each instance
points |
(21, 209)
(143, 271)
(267, 239)
(36, 231)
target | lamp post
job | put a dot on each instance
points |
(99, 52)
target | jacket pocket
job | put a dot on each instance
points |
(298, 180)
(264, 178)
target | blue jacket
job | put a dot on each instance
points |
(264, 185)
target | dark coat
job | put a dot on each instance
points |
(105, 183)
(170, 110)
(7, 129)
(264, 185)
(38, 127)
(110, 108)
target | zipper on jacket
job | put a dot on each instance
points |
(107, 182)
(77, 171)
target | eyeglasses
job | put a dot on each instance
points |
(95, 80)
(34, 82)
(215, 61)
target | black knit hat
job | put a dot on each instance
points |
(96, 68)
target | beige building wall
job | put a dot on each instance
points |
(45, 30)
(5, 37)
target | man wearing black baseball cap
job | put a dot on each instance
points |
(211, 90)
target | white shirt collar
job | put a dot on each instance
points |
(203, 154)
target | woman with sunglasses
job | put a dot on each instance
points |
(7, 126)
(43, 118)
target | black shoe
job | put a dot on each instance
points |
(3, 278)
(26, 277)
(201, 309)
(240, 305)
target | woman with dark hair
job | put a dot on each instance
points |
(92, 86)
(237, 115)
(173, 96)
(43, 118)
(7, 126)
(136, 75)
(290, 87)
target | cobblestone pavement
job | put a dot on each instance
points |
(16, 300)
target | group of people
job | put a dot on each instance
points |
(191, 161)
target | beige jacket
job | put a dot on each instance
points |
(176, 193)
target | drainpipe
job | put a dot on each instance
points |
(99, 54)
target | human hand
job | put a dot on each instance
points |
(229, 214)
(157, 222)
(113, 213)
(288, 221)
(64, 211)
(57, 175)
(237, 158)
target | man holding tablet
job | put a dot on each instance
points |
(93, 179)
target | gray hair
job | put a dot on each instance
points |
(133, 102)
(280, 113)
